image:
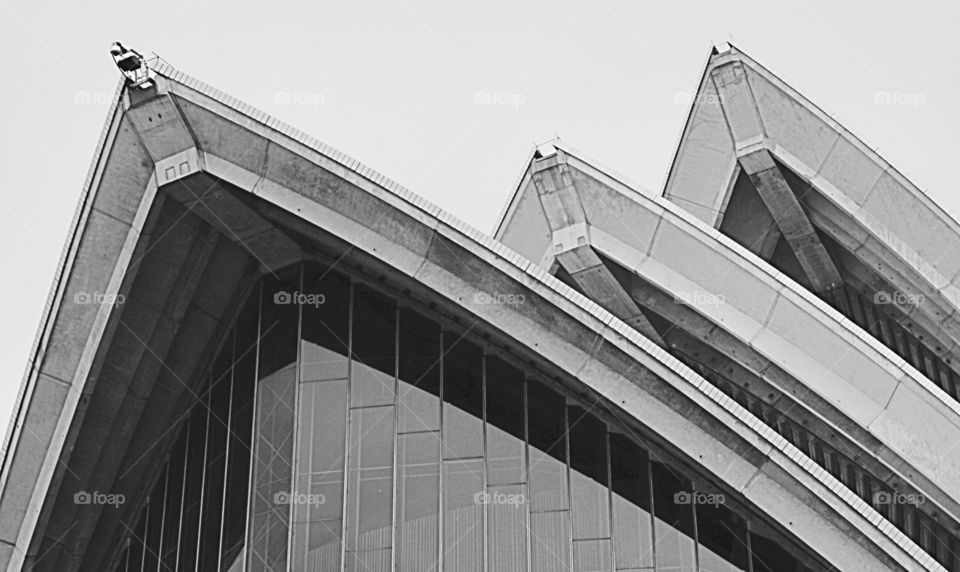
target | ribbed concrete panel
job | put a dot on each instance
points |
(829, 363)
(907, 423)
(850, 171)
(225, 139)
(932, 237)
(601, 207)
(124, 171)
(688, 266)
(790, 124)
(704, 159)
(161, 128)
(105, 240)
(37, 431)
(532, 236)
(346, 207)
(805, 516)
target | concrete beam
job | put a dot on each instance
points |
(571, 244)
(597, 283)
(747, 129)
(792, 221)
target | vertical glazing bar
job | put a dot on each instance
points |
(440, 471)
(226, 460)
(203, 474)
(143, 541)
(253, 433)
(526, 469)
(653, 511)
(183, 490)
(485, 508)
(566, 439)
(346, 433)
(163, 515)
(395, 519)
(747, 526)
(296, 426)
(613, 535)
(696, 535)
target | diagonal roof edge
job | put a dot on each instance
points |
(63, 264)
(694, 102)
(514, 197)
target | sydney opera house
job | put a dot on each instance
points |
(260, 354)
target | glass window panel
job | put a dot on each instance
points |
(172, 499)
(370, 485)
(463, 515)
(548, 448)
(673, 509)
(190, 525)
(592, 555)
(632, 518)
(721, 536)
(318, 500)
(369, 561)
(374, 349)
(151, 538)
(122, 562)
(463, 398)
(505, 424)
(419, 386)
(325, 332)
(768, 555)
(418, 501)
(589, 495)
(241, 427)
(317, 545)
(273, 432)
(506, 528)
(135, 560)
(271, 479)
(322, 426)
(220, 395)
(278, 323)
(550, 541)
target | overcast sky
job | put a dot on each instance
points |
(397, 83)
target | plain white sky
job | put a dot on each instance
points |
(396, 84)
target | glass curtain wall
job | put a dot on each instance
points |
(341, 430)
